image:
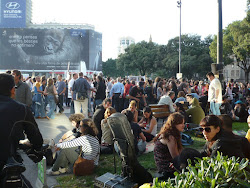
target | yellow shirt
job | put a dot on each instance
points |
(248, 135)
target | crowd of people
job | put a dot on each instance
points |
(207, 104)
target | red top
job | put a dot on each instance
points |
(126, 89)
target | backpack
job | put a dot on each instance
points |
(124, 139)
(186, 140)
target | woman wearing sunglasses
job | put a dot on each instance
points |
(219, 139)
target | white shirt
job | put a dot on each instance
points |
(168, 101)
(70, 85)
(215, 85)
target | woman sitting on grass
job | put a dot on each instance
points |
(218, 139)
(148, 124)
(68, 155)
(168, 144)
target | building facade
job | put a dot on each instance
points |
(124, 42)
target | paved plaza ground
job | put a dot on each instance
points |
(53, 128)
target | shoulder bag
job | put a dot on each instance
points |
(83, 167)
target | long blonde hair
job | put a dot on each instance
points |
(50, 82)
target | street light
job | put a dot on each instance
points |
(179, 6)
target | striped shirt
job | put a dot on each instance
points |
(90, 147)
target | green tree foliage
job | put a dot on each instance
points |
(145, 58)
(109, 68)
(236, 44)
(138, 58)
(194, 56)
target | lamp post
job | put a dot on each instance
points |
(179, 6)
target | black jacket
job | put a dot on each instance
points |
(100, 91)
(11, 112)
(227, 143)
(97, 118)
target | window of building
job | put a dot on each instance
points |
(127, 42)
(123, 41)
(232, 73)
(237, 73)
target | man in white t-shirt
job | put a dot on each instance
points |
(70, 92)
(214, 94)
(167, 99)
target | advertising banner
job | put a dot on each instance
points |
(12, 13)
(49, 49)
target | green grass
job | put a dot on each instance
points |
(240, 126)
(147, 160)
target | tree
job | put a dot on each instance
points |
(138, 58)
(109, 68)
(194, 56)
(236, 44)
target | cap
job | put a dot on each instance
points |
(239, 102)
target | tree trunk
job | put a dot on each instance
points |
(246, 75)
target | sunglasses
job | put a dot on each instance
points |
(207, 129)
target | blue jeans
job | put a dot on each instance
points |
(215, 108)
(98, 102)
(52, 106)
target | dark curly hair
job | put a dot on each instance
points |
(77, 118)
(88, 127)
(169, 129)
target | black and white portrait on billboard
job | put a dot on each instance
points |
(48, 49)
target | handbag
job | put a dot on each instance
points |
(55, 99)
(83, 167)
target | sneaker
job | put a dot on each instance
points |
(52, 173)
(63, 170)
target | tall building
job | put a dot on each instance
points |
(47, 47)
(124, 42)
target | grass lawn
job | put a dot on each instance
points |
(147, 160)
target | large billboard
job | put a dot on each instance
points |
(12, 13)
(50, 49)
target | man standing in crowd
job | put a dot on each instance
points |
(136, 93)
(80, 89)
(168, 100)
(108, 87)
(214, 94)
(23, 93)
(100, 91)
(99, 115)
(10, 113)
(70, 92)
(183, 86)
(61, 88)
(117, 92)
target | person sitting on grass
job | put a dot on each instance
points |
(132, 108)
(227, 125)
(248, 132)
(107, 137)
(68, 150)
(168, 144)
(196, 112)
(218, 139)
(148, 124)
(140, 146)
(75, 120)
(240, 112)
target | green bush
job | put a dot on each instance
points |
(220, 171)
